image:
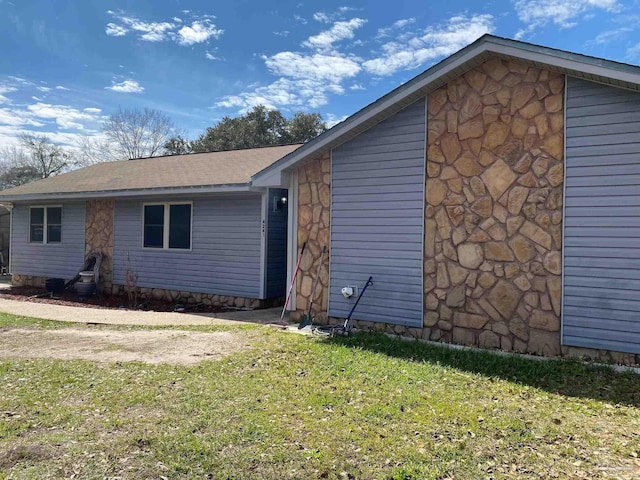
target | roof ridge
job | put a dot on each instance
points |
(214, 151)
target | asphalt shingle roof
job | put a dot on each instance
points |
(233, 167)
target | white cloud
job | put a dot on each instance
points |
(198, 32)
(6, 89)
(114, 30)
(66, 117)
(633, 53)
(283, 93)
(563, 13)
(609, 36)
(432, 43)
(329, 17)
(300, 19)
(283, 33)
(342, 30)
(62, 123)
(15, 117)
(306, 80)
(60, 87)
(127, 86)
(322, 67)
(211, 56)
(397, 25)
(43, 89)
(333, 120)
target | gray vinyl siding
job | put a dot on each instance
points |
(52, 260)
(602, 218)
(276, 247)
(225, 254)
(377, 220)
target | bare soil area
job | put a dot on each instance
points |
(70, 299)
(102, 345)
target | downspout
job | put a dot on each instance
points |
(9, 206)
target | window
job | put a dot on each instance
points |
(167, 225)
(45, 224)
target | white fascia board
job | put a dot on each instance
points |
(274, 179)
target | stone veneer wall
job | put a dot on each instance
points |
(99, 238)
(314, 214)
(27, 280)
(195, 297)
(493, 228)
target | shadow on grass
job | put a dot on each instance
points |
(561, 376)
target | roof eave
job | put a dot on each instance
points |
(133, 193)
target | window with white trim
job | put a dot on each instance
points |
(167, 225)
(45, 224)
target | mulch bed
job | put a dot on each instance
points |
(70, 299)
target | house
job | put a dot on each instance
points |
(185, 226)
(494, 198)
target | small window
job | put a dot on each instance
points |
(167, 226)
(45, 225)
(54, 224)
(153, 226)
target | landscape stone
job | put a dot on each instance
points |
(556, 175)
(517, 196)
(544, 343)
(498, 178)
(436, 191)
(488, 339)
(553, 262)
(496, 135)
(483, 207)
(467, 165)
(537, 234)
(470, 255)
(457, 274)
(434, 154)
(498, 251)
(522, 248)
(456, 297)
(469, 320)
(452, 121)
(504, 297)
(450, 146)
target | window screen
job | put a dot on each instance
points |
(180, 226)
(54, 224)
(154, 226)
(36, 226)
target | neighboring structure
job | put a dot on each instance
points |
(495, 200)
(188, 226)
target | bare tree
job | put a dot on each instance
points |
(138, 133)
(44, 156)
(37, 158)
(95, 150)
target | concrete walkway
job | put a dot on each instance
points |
(132, 317)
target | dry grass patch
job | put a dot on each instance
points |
(297, 407)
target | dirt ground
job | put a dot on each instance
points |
(101, 345)
(119, 302)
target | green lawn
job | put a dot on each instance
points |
(297, 407)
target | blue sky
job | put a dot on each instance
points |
(65, 64)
